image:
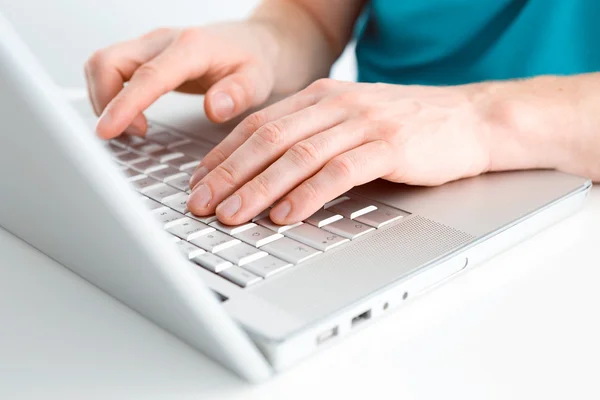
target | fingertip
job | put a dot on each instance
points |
(281, 212)
(104, 128)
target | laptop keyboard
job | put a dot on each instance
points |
(159, 167)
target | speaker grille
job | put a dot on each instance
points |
(349, 273)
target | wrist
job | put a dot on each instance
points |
(302, 53)
(524, 125)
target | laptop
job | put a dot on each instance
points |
(257, 298)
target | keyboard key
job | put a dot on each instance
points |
(264, 214)
(178, 202)
(165, 155)
(145, 183)
(241, 254)
(267, 223)
(258, 236)
(352, 208)
(322, 218)
(190, 229)
(130, 158)
(189, 169)
(333, 202)
(211, 262)
(240, 276)
(315, 237)
(290, 250)
(165, 138)
(147, 148)
(148, 166)
(215, 241)
(267, 266)
(232, 229)
(381, 217)
(348, 228)
(151, 204)
(164, 174)
(161, 192)
(206, 219)
(195, 150)
(180, 181)
(168, 217)
(183, 162)
(127, 140)
(188, 250)
(154, 128)
(132, 174)
(114, 149)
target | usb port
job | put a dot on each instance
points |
(361, 317)
(328, 334)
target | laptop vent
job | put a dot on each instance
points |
(353, 271)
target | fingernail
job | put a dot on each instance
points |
(230, 206)
(197, 176)
(222, 105)
(200, 197)
(103, 119)
(281, 211)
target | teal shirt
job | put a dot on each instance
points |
(445, 42)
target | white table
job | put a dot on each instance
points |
(525, 325)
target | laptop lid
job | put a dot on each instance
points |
(62, 193)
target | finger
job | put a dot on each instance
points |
(108, 69)
(355, 167)
(165, 72)
(299, 163)
(246, 128)
(258, 152)
(236, 93)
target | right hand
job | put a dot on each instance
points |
(232, 63)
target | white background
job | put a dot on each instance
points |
(63, 33)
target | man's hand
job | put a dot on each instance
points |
(319, 143)
(285, 45)
(232, 63)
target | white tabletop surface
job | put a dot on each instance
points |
(525, 325)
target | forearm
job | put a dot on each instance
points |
(545, 122)
(306, 42)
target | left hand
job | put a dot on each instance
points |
(324, 140)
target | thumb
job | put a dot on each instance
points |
(247, 87)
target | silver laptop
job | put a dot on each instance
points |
(258, 297)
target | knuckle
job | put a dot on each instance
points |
(190, 35)
(253, 122)
(158, 32)
(148, 71)
(308, 192)
(371, 114)
(387, 130)
(382, 148)
(271, 133)
(97, 59)
(260, 186)
(346, 98)
(304, 152)
(215, 157)
(321, 85)
(227, 174)
(342, 166)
